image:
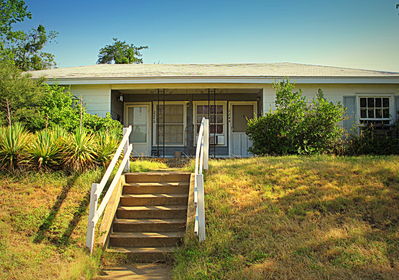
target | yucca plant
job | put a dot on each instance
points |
(106, 145)
(79, 151)
(13, 141)
(44, 151)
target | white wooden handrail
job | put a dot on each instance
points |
(97, 188)
(201, 162)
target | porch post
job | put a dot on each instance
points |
(264, 104)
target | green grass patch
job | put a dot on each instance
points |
(293, 217)
(145, 165)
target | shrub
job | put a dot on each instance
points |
(296, 126)
(106, 145)
(44, 150)
(106, 124)
(13, 140)
(59, 108)
(79, 152)
(371, 142)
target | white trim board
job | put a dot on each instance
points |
(227, 80)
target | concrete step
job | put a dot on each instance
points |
(144, 254)
(145, 239)
(149, 225)
(153, 199)
(154, 188)
(157, 177)
(152, 212)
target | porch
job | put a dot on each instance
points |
(165, 122)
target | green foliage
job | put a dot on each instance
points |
(371, 141)
(55, 149)
(12, 11)
(79, 151)
(105, 147)
(120, 53)
(104, 124)
(44, 151)
(59, 108)
(296, 126)
(28, 50)
(16, 46)
(13, 140)
(20, 96)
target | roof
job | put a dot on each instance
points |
(206, 70)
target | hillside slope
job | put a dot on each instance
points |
(298, 218)
(43, 219)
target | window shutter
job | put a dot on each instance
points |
(395, 116)
(350, 104)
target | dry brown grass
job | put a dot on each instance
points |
(293, 217)
(42, 226)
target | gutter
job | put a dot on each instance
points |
(225, 79)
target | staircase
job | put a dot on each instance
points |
(150, 220)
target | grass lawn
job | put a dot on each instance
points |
(267, 218)
(43, 221)
(293, 217)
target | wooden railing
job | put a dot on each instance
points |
(96, 211)
(201, 163)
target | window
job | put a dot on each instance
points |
(217, 121)
(173, 126)
(375, 110)
(137, 117)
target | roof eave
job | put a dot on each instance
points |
(227, 79)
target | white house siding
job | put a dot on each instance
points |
(96, 98)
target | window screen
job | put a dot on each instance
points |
(173, 125)
(241, 113)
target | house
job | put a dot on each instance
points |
(165, 103)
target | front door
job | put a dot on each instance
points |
(240, 112)
(138, 117)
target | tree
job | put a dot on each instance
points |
(12, 11)
(24, 49)
(20, 96)
(28, 54)
(120, 53)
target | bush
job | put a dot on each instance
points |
(59, 108)
(106, 145)
(13, 140)
(106, 124)
(55, 149)
(371, 141)
(296, 126)
(79, 152)
(44, 150)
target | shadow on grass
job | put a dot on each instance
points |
(81, 210)
(47, 223)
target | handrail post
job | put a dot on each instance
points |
(206, 144)
(125, 148)
(91, 225)
(201, 208)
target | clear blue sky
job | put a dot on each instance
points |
(350, 33)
